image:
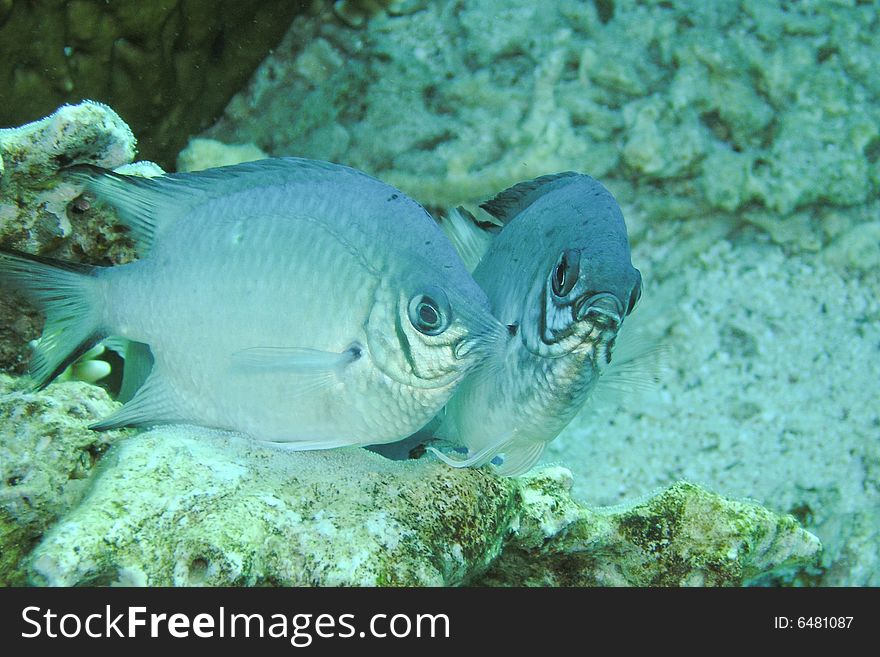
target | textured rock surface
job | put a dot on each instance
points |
(758, 106)
(34, 212)
(682, 536)
(41, 214)
(167, 66)
(189, 506)
(46, 456)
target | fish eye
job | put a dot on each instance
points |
(429, 312)
(565, 273)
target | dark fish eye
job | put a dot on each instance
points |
(430, 313)
(429, 317)
(565, 274)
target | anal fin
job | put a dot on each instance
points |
(156, 402)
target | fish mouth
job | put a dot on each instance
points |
(603, 310)
(604, 314)
(594, 320)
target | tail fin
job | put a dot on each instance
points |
(67, 294)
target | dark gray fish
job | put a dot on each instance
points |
(555, 263)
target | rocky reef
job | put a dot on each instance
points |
(742, 143)
(168, 67)
(681, 536)
(35, 211)
(41, 214)
(46, 458)
(191, 506)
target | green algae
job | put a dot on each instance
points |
(167, 66)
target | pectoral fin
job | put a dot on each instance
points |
(295, 359)
(307, 371)
(519, 458)
(474, 460)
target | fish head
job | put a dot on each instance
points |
(584, 300)
(437, 334)
(583, 284)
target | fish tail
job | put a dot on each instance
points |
(68, 294)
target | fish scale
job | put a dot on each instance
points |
(278, 298)
(260, 306)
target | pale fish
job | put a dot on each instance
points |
(297, 301)
(559, 274)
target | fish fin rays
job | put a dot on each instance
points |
(148, 205)
(518, 456)
(144, 205)
(470, 238)
(513, 200)
(311, 370)
(641, 362)
(643, 372)
(155, 402)
(138, 364)
(294, 359)
(68, 294)
(474, 460)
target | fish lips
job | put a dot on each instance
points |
(595, 317)
(603, 310)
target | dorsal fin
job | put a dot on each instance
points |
(469, 236)
(513, 200)
(147, 205)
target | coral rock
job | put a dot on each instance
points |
(190, 506)
(41, 214)
(184, 506)
(46, 456)
(683, 536)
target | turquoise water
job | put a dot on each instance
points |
(742, 141)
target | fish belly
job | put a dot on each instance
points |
(526, 398)
(216, 289)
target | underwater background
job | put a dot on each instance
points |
(741, 139)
